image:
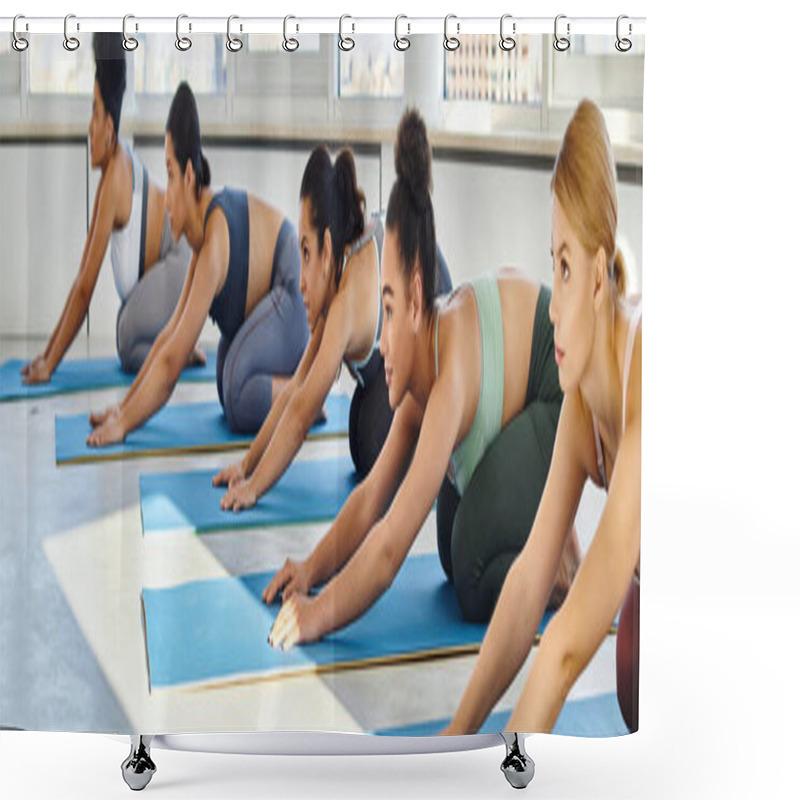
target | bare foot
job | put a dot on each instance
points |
(197, 358)
(570, 561)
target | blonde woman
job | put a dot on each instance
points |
(598, 340)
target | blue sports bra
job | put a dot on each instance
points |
(228, 307)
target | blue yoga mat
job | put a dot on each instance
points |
(217, 631)
(179, 428)
(85, 374)
(593, 717)
(309, 491)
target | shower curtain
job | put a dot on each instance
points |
(132, 600)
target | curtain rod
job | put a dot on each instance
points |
(349, 25)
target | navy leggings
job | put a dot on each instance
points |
(270, 342)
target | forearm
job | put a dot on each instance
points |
(72, 317)
(265, 433)
(152, 356)
(368, 574)
(149, 397)
(342, 540)
(507, 644)
(553, 673)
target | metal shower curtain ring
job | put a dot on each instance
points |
(71, 43)
(130, 43)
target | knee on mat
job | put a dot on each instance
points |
(247, 407)
(352, 431)
(132, 353)
(468, 571)
(132, 357)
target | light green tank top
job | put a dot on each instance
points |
(489, 414)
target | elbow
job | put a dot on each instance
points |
(564, 658)
(386, 567)
(83, 295)
(171, 367)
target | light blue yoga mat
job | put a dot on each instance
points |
(85, 374)
(179, 428)
(309, 491)
(212, 632)
(592, 717)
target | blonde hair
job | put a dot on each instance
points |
(584, 181)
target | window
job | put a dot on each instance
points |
(159, 67)
(54, 70)
(593, 67)
(480, 70)
(374, 68)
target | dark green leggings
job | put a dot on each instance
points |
(480, 534)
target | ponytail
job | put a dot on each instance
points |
(337, 202)
(410, 208)
(183, 126)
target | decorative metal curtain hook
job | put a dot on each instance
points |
(452, 43)
(290, 44)
(346, 43)
(507, 42)
(234, 43)
(623, 44)
(183, 43)
(560, 43)
(130, 43)
(71, 43)
(19, 43)
(401, 43)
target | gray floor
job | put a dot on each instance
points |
(72, 565)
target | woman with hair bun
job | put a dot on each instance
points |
(340, 278)
(473, 385)
(244, 273)
(598, 342)
(129, 215)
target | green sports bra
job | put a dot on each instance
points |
(489, 414)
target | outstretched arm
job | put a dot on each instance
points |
(299, 412)
(365, 505)
(163, 336)
(239, 470)
(371, 570)
(527, 586)
(575, 634)
(154, 388)
(77, 303)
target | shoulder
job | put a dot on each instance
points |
(634, 388)
(215, 238)
(114, 184)
(576, 433)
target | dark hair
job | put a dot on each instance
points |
(183, 125)
(410, 210)
(337, 202)
(110, 72)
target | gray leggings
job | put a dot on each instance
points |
(269, 343)
(151, 302)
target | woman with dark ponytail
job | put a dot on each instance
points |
(474, 387)
(341, 282)
(129, 214)
(244, 273)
